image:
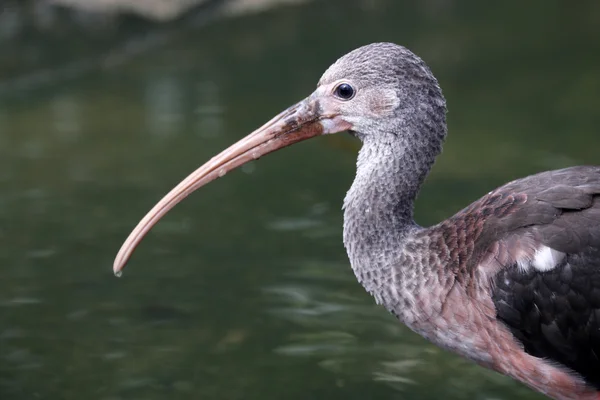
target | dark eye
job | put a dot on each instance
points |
(344, 91)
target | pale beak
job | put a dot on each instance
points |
(299, 122)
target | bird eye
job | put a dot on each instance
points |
(344, 91)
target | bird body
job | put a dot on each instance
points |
(511, 282)
(490, 290)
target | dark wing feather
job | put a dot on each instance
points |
(555, 313)
(558, 209)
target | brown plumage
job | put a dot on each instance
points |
(553, 314)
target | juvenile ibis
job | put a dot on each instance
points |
(511, 282)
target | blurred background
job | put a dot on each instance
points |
(244, 291)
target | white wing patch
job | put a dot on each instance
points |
(544, 259)
(547, 258)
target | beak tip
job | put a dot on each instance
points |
(118, 267)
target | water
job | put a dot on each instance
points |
(244, 291)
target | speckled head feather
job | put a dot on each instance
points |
(383, 63)
(394, 88)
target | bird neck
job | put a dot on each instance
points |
(381, 198)
(378, 208)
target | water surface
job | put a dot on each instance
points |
(244, 291)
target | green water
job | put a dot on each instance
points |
(244, 291)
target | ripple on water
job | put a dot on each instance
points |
(41, 253)
(21, 301)
(113, 355)
(293, 224)
(12, 333)
(136, 383)
(22, 358)
(78, 314)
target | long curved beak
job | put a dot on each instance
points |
(299, 122)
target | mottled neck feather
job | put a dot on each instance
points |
(378, 209)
